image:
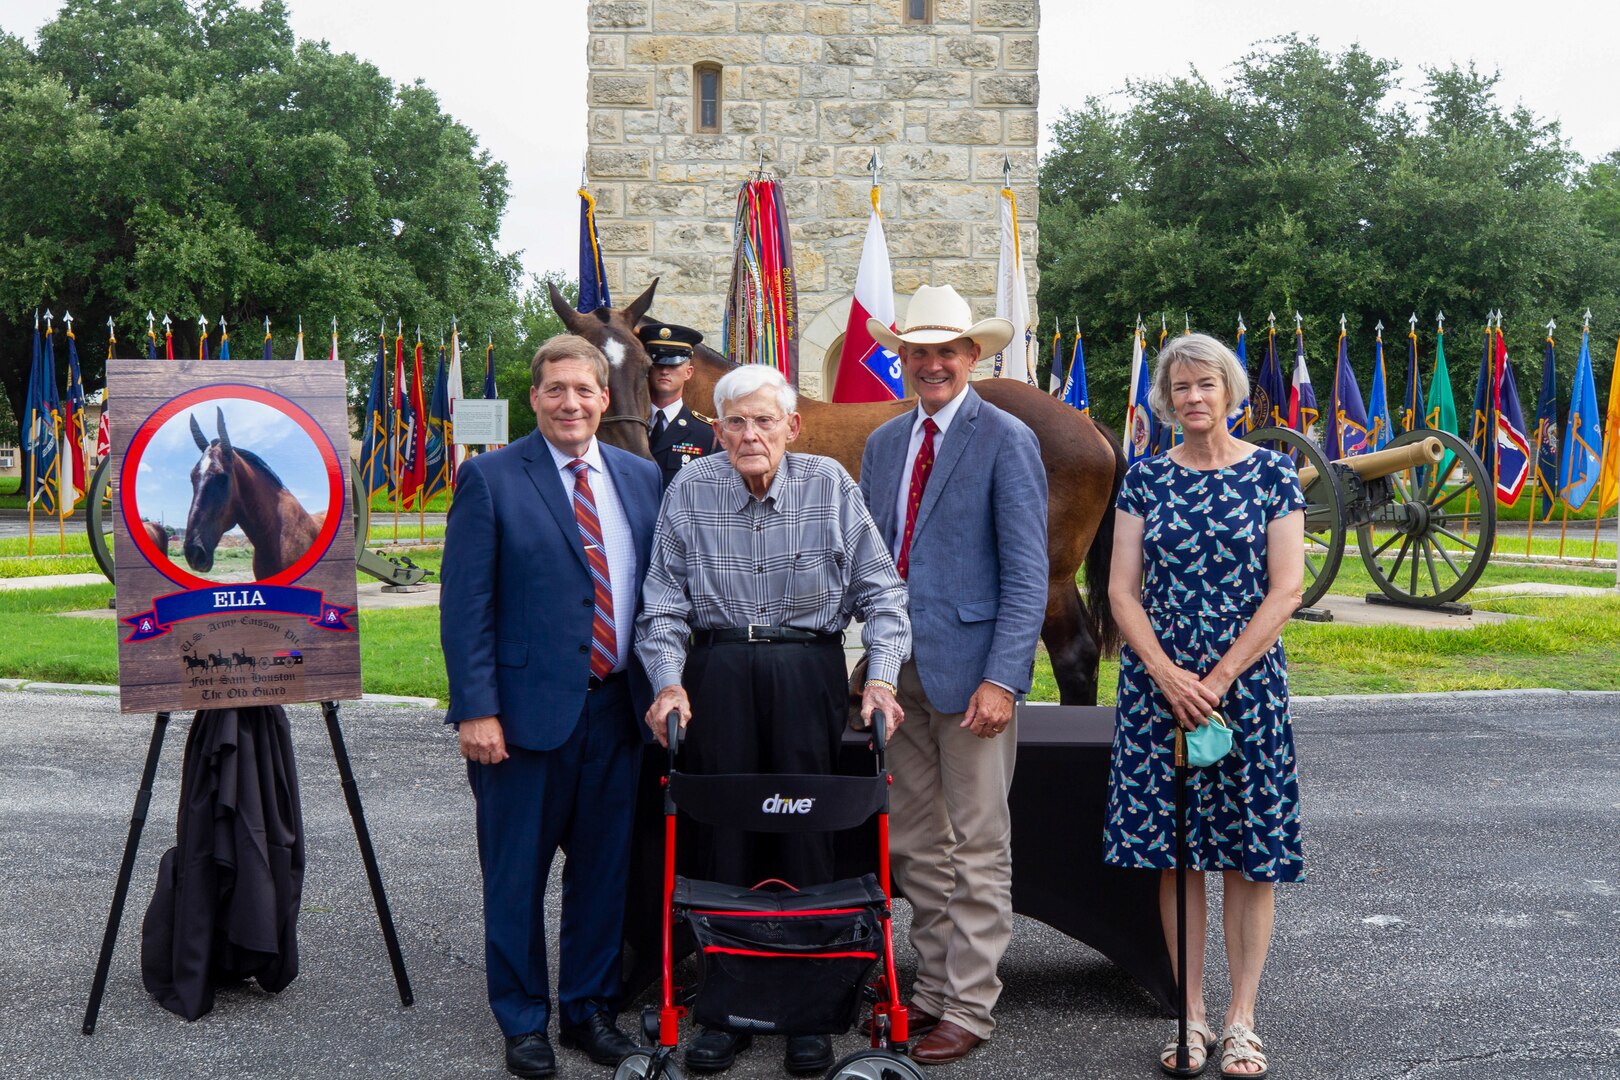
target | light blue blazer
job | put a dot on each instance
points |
(977, 579)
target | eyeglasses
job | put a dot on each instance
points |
(736, 425)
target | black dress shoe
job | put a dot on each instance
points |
(530, 1055)
(716, 1049)
(601, 1041)
(808, 1054)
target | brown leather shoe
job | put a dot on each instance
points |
(919, 1023)
(948, 1042)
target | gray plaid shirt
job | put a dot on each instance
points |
(807, 556)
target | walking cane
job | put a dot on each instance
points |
(1183, 1055)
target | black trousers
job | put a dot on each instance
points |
(763, 708)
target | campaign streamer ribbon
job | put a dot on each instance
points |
(276, 599)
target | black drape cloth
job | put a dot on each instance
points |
(226, 904)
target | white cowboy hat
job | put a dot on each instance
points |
(938, 315)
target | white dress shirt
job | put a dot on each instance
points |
(616, 537)
(671, 413)
(942, 420)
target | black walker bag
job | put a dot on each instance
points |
(783, 961)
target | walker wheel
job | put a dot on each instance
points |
(875, 1065)
(648, 1065)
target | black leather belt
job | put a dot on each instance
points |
(763, 635)
(612, 677)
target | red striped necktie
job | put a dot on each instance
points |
(920, 468)
(604, 638)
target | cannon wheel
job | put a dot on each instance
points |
(1324, 511)
(99, 514)
(1427, 560)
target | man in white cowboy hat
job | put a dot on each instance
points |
(958, 491)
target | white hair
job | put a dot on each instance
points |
(748, 379)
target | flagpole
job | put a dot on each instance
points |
(399, 363)
(1597, 522)
(1535, 464)
(421, 507)
(23, 434)
(1491, 414)
(62, 504)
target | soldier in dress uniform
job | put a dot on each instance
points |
(678, 436)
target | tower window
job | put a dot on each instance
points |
(706, 99)
(918, 11)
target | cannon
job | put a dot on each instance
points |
(1423, 523)
(389, 570)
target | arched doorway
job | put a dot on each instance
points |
(822, 342)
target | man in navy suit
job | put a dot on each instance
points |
(545, 548)
(957, 490)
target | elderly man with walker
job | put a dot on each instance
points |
(759, 560)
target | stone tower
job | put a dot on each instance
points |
(687, 97)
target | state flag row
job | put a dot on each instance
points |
(408, 446)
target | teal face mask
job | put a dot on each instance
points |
(1209, 743)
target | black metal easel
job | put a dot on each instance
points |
(137, 822)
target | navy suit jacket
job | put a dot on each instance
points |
(977, 577)
(516, 607)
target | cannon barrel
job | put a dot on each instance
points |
(1385, 462)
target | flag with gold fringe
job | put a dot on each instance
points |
(761, 324)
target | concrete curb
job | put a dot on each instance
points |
(30, 686)
(1449, 694)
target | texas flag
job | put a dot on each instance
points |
(866, 370)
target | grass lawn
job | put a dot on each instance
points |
(1570, 644)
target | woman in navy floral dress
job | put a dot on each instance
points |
(1208, 564)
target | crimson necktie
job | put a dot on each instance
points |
(604, 638)
(920, 468)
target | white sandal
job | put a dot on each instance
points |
(1241, 1046)
(1200, 1041)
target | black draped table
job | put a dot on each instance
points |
(1058, 797)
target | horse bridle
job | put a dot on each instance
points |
(630, 418)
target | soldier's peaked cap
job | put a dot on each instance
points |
(667, 343)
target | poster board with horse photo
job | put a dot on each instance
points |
(234, 547)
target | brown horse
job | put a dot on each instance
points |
(231, 486)
(158, 534)
(1084, 466)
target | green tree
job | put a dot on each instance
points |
(197, 158)
(1303, 185)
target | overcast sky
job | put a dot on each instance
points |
(515, 73)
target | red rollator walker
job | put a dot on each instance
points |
(773, 959)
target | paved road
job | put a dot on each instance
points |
(1460, 919)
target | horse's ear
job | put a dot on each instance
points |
(638, 307)
(565, 311)
(224, 438)
(196, 433)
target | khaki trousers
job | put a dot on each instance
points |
(951, 852)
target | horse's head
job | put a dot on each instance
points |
(614, 332)
(212, 495)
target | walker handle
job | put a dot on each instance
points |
(880, 728)
(672, 728)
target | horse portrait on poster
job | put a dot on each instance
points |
(232, 486)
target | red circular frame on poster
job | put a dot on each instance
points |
(292, 411)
